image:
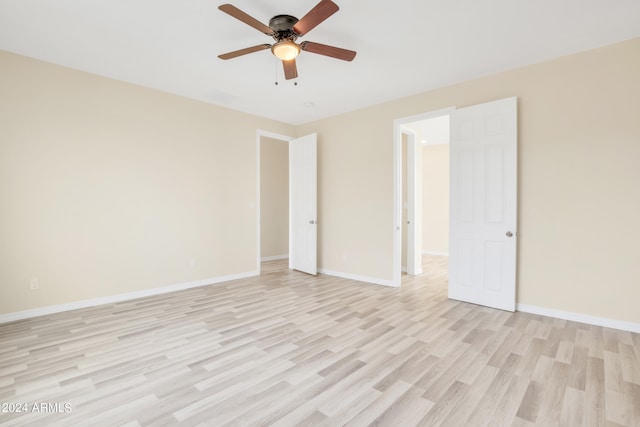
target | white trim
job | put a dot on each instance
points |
(272, 135)
(417, 272)
(374, 280)
(258, 197)
(274, 257)
(436, 253)
(424, 116)
(582, 318)
(19, 315)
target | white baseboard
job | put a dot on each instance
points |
(374, 280)
(425, 252)
(10, 317)
(582, 318)
(417, 273)
(274, 257)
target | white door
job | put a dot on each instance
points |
(303, 232)
(483, 198)
(414, 229)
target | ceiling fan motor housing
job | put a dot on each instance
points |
(282, 25)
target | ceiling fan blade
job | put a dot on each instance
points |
(315, 16)
(247, 19)
(290, 69)
(323, 49)
(244, 51)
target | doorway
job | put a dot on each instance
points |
(483, 202)
(414, 137)
(273, 196)
(274, 199)
(287, 200)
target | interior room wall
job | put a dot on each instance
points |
(109, 188)
(435, 199)
(274, 198)
(578, 180)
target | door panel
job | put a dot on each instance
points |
(303, 204)
(414, 239)
(482, 261)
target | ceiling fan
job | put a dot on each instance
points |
(285, 29)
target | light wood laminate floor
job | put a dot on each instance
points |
(288, 349)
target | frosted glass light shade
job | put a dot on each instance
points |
(285, 50)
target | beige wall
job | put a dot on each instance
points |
(274, 197)
(435, 198)
(109, 188)
(579, 145)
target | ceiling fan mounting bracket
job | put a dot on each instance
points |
(282, 25)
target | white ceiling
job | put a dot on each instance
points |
(404, 46)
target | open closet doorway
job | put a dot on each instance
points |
(273, 185)
(422, 190)
(287, 200)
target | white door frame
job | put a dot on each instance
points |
(259, 134)
(397, 188)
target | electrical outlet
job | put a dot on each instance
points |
(192, 263)
(34, 284)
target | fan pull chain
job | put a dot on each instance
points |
(295, 83)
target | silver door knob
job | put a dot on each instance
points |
(509, 234)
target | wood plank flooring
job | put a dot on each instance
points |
(288, 349)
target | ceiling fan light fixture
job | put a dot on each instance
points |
(285, 30)
(285, 50)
